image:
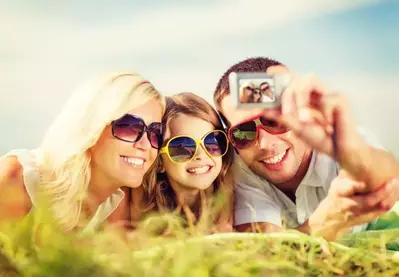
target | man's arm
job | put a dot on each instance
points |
(372, 166)
(341, 210)
(255, 211)
(323, 120)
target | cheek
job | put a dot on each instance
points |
(152, 155)
(290, 138)
(104, 149)
(171, 168)
(218, 164)
(295, 143)
(248, 155)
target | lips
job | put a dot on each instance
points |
(199, 170)
(277, 161)
(133, 161)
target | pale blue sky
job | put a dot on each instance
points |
(48, 47)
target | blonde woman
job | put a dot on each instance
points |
(106, 137)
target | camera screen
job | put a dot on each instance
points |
(260, 90)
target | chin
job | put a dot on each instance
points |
(132, 182)
(274, 177)
(277, 181)
(281, 178)
(199, 186)
(133, 185)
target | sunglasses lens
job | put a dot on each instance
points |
(272, 126)
(216, 143)
(128, 128)
(182, 149)
(243, 135)
(155, 135)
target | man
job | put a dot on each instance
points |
(282, 181)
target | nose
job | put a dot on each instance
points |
(267, 141)
(201, 154)
(143, 143)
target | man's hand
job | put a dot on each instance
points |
(322, 119)
(345, 207)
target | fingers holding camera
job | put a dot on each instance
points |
(309, 127)
(302, 111)
(320, 117)
(302, 92)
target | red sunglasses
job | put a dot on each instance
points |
(245, 134)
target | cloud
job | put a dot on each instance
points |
(42, 53)
(153, 29)
(43, 56)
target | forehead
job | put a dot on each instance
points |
(235, 115)
(150, 111)
(188, 125)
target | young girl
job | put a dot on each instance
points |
(194, 162)
(107, 136)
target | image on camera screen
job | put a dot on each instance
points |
(256, 90)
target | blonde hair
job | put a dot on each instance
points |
(65, 162)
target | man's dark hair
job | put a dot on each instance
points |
(258, 64)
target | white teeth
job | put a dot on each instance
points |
(133, 161)
(275, 159)
(199, 170)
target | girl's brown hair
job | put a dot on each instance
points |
(164, 198)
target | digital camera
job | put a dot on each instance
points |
(257, 89)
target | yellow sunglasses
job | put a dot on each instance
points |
(181, 149)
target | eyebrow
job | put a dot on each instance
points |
(249, 118)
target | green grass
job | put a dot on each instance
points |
(161, 246)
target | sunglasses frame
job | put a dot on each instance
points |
(198, 142)
(259, 125)
(146, 129)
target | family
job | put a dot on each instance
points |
(119, 149)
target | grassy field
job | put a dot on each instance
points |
(161, 246)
